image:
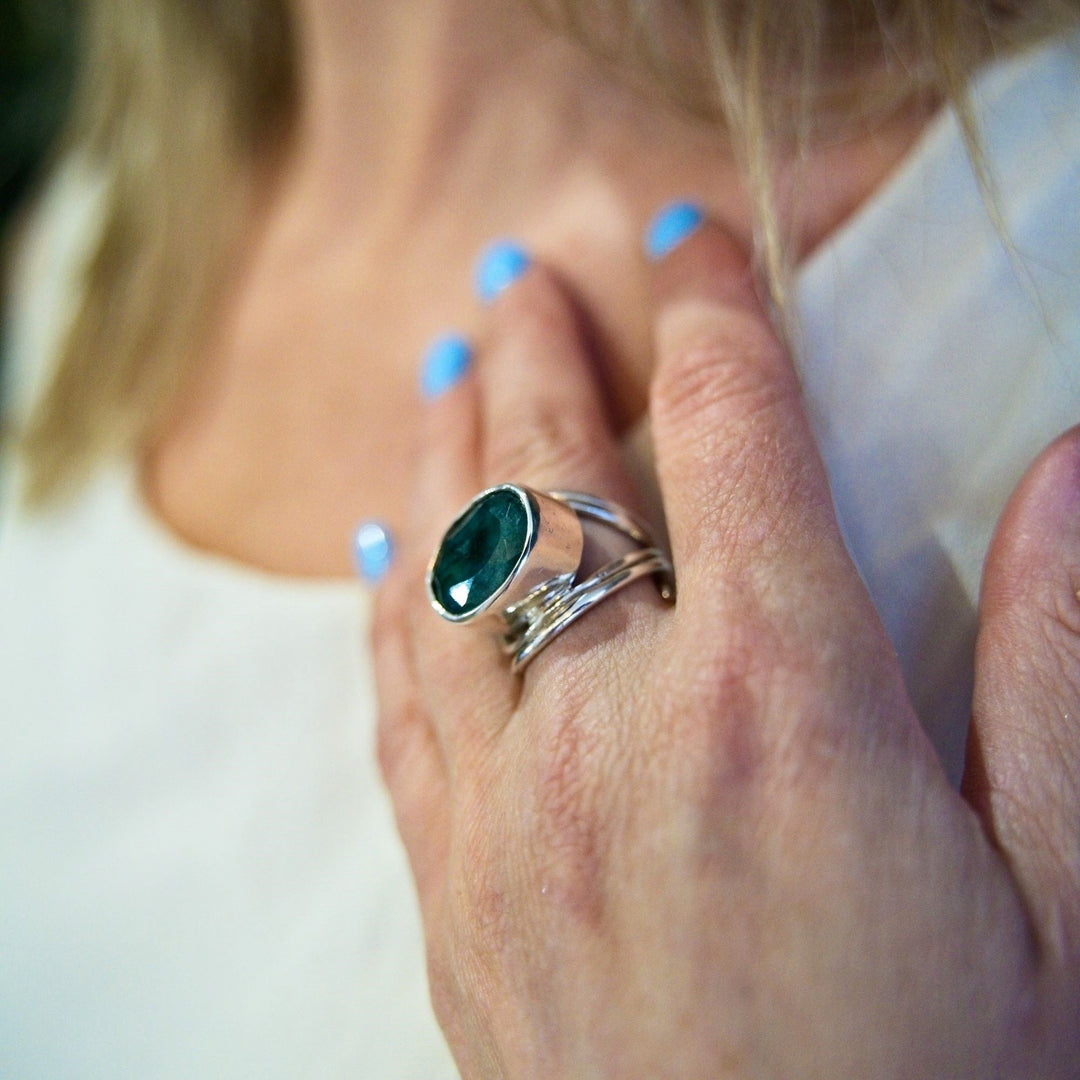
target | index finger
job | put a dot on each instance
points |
(745, 492)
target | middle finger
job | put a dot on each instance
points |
(542, 422)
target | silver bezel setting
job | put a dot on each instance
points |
(549, 558)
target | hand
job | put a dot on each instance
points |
(712, 840)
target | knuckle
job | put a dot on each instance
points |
(535, 312)
(734, 368)
(729, 396)
(715, 725)
(750, 726)
(539, 438)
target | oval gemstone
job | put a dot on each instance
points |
(480, 551)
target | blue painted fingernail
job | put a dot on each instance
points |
(671, 227)
(444, 365)
(498, 268)
(373, 550)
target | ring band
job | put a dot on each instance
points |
(515, 554)
(570, 606)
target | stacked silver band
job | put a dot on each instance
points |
(542, 591)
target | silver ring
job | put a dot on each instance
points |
(571, 605)
(514, 555)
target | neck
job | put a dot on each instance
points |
(417, 104)
(427, 128)
(402, 101)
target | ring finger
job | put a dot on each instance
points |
(542, 423)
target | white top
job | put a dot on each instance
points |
(938, 360)
(199, 875)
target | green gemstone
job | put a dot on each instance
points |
(480, 551)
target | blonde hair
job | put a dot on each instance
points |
(178, 103)
(181, 99)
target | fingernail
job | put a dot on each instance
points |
(498, 268)
(444, 365)
(671, 227)
(373, 551)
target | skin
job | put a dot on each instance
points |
(707, 841)
(712, 841)
(301, 416)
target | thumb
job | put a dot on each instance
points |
(1023, 773)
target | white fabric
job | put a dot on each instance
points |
(938, 362)
(198, 869)
(199, 872)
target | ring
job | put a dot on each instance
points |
(514, 554)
